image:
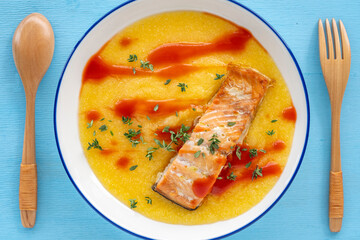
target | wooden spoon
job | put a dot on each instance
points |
(33, 48)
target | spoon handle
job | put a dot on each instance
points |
(28, 175)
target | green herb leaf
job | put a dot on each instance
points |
(148, 118)
(175, 137)
(139, 126)
(197, 154)
(166, 129)
(90, 124)
(167, 82)
(230, 124)
(133, 203)
(131, 134)
(214, 144)
(238, 153)
(262, 150)
(111, 132)
(132, 168)
(132, 58)
(94, 133)
(156, 107)
(148, 200)
(275, 120)
(229, 165)
(94, 144)
(176, 113)
(257, 172)
(146, 64)
(158, 143)
(244, 149)
(134, 70)
(127, 120)
(150, 152)
(103, 128)
(219, 178)
(270, 133)
(201, 140)
(203, 154)
(218, 76)
(182, 86)
(102, 119)
(248, 165)
(253, 153)
(231, 176)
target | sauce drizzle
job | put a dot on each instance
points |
(289, 113)
(169, 57)
(238, 168)
(125, 41)
(202, 186)
(123, 162)
(92, 115)
(132, 107)
(178, 52)
(97, 69)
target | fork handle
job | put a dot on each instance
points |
(336, 201)
(336, 194)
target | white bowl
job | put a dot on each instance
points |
(67, 103)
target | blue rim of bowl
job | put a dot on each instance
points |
(301, 157)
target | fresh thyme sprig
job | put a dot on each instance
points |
(219, 76)
(148, 200)
(231, 176)
(146, 64)
(94, 145)
(132, 58)
(257, 172)
(133, 203)
(127, 120)
(182, 86)
(270, 133)
(131, 134)
(214, 145)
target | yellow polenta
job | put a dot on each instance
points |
(149, 33)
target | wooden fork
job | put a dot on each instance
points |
(336, 68)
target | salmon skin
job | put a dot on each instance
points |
(189, 177)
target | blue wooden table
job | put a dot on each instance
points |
(62, 213)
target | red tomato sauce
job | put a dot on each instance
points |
(97, 69)
(289, 113)
(179, 52)
(122, 162)
(202, 186)
(238, 168)
(169, 57)
(92, 115)
(279, 145)
(125, 41)
(132, 107)
(107, 151)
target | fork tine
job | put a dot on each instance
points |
(322, 46)
(329, 40)
(336, 39)
(345, 41)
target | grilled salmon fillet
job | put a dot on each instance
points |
(191, 174)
